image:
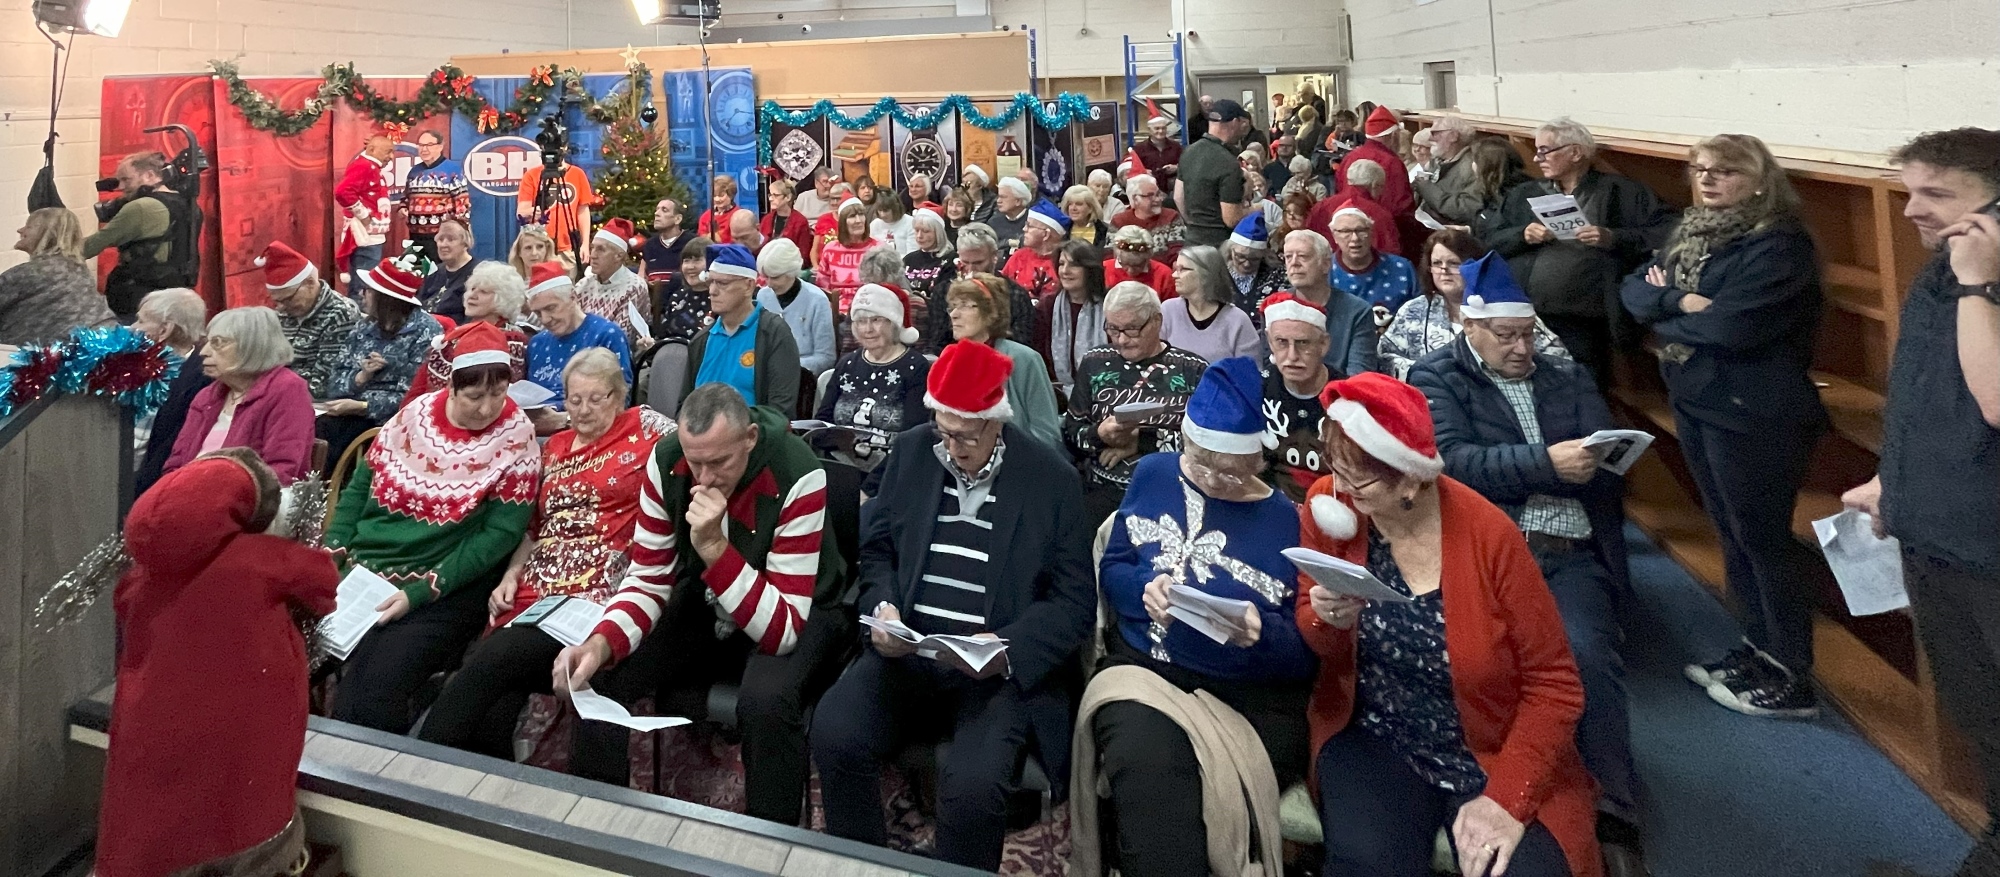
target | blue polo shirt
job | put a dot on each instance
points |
(731, 357)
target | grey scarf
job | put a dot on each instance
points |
(1702, 232)
(1067, 346)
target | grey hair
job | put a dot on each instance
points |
(1019, 188)
(1321, 249)
(883, 265)
(1135, 179)
(942, 236)
(510, 292)
(1211, 276)
(1421, 138)
(181, 310)
(710, 402)
(974, 235)
(599, 363)
(1131, 296)
(1454, 125)
(1214, 459)
(1300, 165)
(1567, 132)
(1097, 176)
(1366, 173)
(260, 339)
(1130, 234)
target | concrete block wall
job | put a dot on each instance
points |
(273, 37)
(1852, 75)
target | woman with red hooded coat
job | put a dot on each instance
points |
(204, 750)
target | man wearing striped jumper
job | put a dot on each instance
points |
(732, 568)
(977, 531)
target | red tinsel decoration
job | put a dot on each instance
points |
(125, 372)
(32, 378)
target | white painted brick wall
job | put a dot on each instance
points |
(1065, 52)
(1244, 35)
(1858, 75)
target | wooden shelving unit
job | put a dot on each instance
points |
(1870, 668)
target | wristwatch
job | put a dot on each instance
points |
(1988, 291)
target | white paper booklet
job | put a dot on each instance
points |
(1869, 570)
(977, 652)
(638, 318)
(568, 619)
(1560, 214)
(1341, 576)
(598, 708)
(1217, 618)
(529, 394)
(354, 610)
(1620, 448)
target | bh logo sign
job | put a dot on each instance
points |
(495, 165)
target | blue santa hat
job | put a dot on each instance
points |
(1226, 413)
(730, 260)
(1251, 232)
(1047, 213)
(1490, 290)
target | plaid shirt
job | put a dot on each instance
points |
(1554, 515)
(319, 338)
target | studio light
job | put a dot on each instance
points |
(101, 17)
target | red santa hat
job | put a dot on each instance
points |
(477, 343)
(549, 277)
(888, 302)
(969, 379)
(283, 267)
(618, 232)
(1380, 123)
(393, 281)
(1390, 421)
(1288, 306)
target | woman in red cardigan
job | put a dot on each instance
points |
(1458, 708)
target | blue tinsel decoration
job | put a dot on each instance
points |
(1062, 111)
(83, 353)
(89, 348)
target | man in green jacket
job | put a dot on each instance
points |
(154, 230)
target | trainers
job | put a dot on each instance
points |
(1734, 665)
(1769, 690)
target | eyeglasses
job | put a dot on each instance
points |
(591, 400)
(1353, 232)
(962, 307)
(1720, 174)
(1445, 267)
(1111, 331)
(958, 439)
(1210, 473)
(1546, 151)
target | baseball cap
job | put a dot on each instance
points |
(1225, 110)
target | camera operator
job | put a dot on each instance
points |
(153, 228)
(557, 194)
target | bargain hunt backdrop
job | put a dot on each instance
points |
(265, 187)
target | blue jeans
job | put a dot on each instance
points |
(364, 258)
(1586, 596)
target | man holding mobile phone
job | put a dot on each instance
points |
(1938, 488)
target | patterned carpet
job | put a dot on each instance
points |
(701, 766)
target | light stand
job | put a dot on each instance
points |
(104, 18)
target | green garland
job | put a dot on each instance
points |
(447, 89)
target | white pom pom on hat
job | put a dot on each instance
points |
(1334, 517)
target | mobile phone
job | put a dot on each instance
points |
(1992, 209)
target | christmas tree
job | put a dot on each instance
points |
(639, 171)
